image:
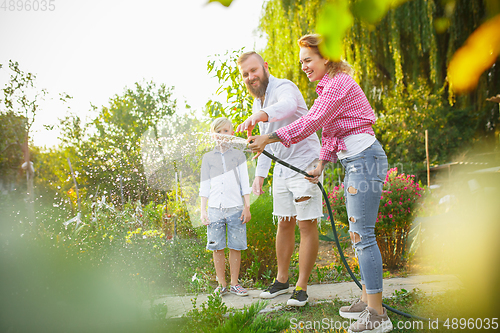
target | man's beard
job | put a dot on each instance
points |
(260, 91)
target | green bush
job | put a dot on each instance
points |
(177, 220)
(259, 259)
(209, 315)
(128, 241)
(214, 316)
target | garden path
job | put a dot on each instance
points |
(429, 284)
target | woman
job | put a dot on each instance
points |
(346, 117)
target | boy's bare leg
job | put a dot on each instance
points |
(285, 244)
(220, 266)
(308, 250)
(234, 265)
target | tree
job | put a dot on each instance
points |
(401, 64)
(238, 104)
(12, 134)
(399, 49)
(108, 149)
(20, 106)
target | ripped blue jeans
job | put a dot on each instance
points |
(224, 220)
(364, 178)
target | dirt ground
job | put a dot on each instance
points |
(327, 253)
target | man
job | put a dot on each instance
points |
(277, 103)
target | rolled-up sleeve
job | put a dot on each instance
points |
(327, 155)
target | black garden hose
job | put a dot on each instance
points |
(337, 242)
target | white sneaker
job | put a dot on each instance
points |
(371, 322)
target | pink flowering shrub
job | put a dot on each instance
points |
(398, 206)
(337, 202)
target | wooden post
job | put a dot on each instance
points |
(29, 180)
(76, 186)
(121, 191)
(427, 157)
(177, 206)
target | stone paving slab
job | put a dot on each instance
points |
(429, 284)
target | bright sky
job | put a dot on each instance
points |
(93, 49)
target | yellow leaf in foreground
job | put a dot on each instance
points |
(479, 53)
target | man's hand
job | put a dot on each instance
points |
(249, 124)
(245, 215)
(204, 218)
(257, 185)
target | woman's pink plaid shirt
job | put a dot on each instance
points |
(341, 108)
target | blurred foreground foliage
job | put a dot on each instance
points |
(98, 273)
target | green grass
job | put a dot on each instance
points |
(324, 317)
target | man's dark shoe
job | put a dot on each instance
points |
(275, 289)
(299, 297)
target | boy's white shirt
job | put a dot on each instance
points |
(226, 189)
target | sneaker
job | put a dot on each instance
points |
(371, 322)
(299, 297)
(354, 310)
(275, 289)
(238, 290)
(221, 290)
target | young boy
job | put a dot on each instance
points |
(225, 187)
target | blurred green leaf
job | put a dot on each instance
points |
(441, 24)
(371, 11)
(333, 22)
(492, 8)
(226, 3)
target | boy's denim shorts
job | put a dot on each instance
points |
(224, 220)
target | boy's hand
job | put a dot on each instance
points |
(204, 218)
(245, 215)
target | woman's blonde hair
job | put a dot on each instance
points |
(312, 42)
(218, 123)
